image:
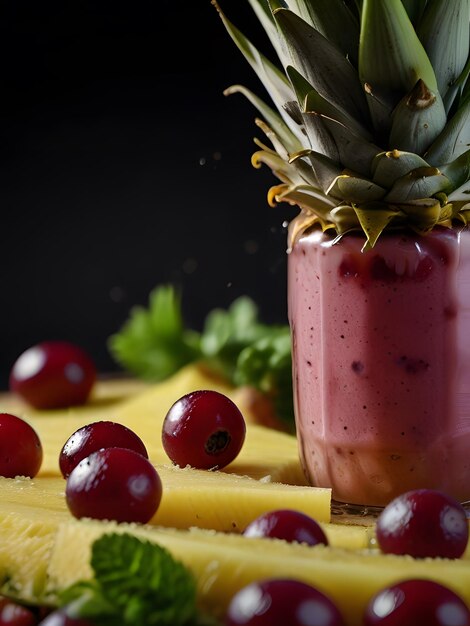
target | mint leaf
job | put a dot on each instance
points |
(234, 344)
(227, 332)
(154, 343)
(136, 583)
(143, 581)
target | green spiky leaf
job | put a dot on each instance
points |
(356, 190)
(418, 120)
(318, 60)
(444, 32)
(387, 167)
(334, 20)
(274, 120)
(454, 140)
(273, 79)
(391, 56)
(374, 218)
(423, 182)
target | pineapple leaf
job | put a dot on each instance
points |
(300, 224)
(355, 153)
(356, 190)
(334, 20)
(345, 219)
(264, 14)
(417, 120)
(307, 198)
(415, 9)
(287, 138)
(391, 56)
(373, 220)
(313, 102)
(422, 214)
(387, 167)
(454, 140)
(275, 82)
(458, 88)
(325, 67)
(325, 169)
(280, 168)
(458, 171)
(445, 35)
(305, 170)
(423, 182)
(278, 145)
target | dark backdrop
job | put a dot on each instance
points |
(123, 166)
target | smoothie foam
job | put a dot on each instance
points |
(381, 352)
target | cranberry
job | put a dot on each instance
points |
(93, 437)
(60, 618)
(13, 614)
(204, 429)
(281, 602)
(114, 484)
(415, 602)
(288, 525)
(423, 523)
(52, 375)
(20, 448)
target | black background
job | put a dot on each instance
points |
(123, 166)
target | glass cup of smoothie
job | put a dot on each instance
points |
(381, 362)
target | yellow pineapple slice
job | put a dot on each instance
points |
(210, 500)
(266, 452)
(224, 563)
(215, 500)
(44, 551)
(27, 535)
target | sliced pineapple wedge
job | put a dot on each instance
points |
(266, 452)
(213, 500)
(209, 500)
(44, 551)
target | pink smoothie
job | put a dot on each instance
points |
(381, 351)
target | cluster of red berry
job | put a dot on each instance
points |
(109, 476)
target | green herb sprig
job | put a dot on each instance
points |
(154, 343)
(135, 583)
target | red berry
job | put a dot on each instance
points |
(204, 429)
(416, 602)
(281, 602)
(114, 484)
(423, 523)
(60, 618)
(13, 614)
(20, 448)
(288, 525)
(52, 375)
(95, 436)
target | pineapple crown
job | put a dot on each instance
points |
(371, 125)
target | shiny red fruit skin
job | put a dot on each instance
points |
(13, 614)
(60, 618)
(423, 523)
(281, 602)
(203, 429)
(20, 448)
(287, 524)
(114, 484)
(93, 437)
(53, 375)
(415, 603)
